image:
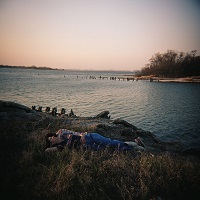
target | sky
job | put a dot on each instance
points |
(95, 34)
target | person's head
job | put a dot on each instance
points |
(54, 140)
(48, 142)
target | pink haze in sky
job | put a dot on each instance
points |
(95, 34)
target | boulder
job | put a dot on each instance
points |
(10, 110)
(5, 105)
(125, 123)
(104, 115)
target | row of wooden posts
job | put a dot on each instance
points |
(53, 111)
(130, 78)
(125, 78)
(113, 78)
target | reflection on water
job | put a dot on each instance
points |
(170, 110)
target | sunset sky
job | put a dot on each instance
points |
(95, 34)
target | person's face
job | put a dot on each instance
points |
(50, 139)
(54, 140)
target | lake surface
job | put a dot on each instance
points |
(170, 110)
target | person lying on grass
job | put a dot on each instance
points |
(94, 141)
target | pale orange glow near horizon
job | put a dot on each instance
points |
(95, 34)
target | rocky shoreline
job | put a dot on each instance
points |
(101, 123)
(192, 79)
(177, 80)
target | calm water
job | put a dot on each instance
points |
(169, 110)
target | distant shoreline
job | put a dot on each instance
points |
(29, 67)
(49, 68)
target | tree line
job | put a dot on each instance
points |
(173, 64)
(27, 67)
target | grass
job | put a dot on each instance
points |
(28, 173)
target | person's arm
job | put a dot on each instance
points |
(69, 137)
(74, 141)
(59, 132)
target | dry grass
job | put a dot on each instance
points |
(32, 174)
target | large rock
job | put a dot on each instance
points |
(125, 123)
(5, 105)
(104, 115)
(10, 110)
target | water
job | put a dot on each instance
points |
(169, 110)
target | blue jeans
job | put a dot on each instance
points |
(96, 141)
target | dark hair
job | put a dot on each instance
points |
(50, 135)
